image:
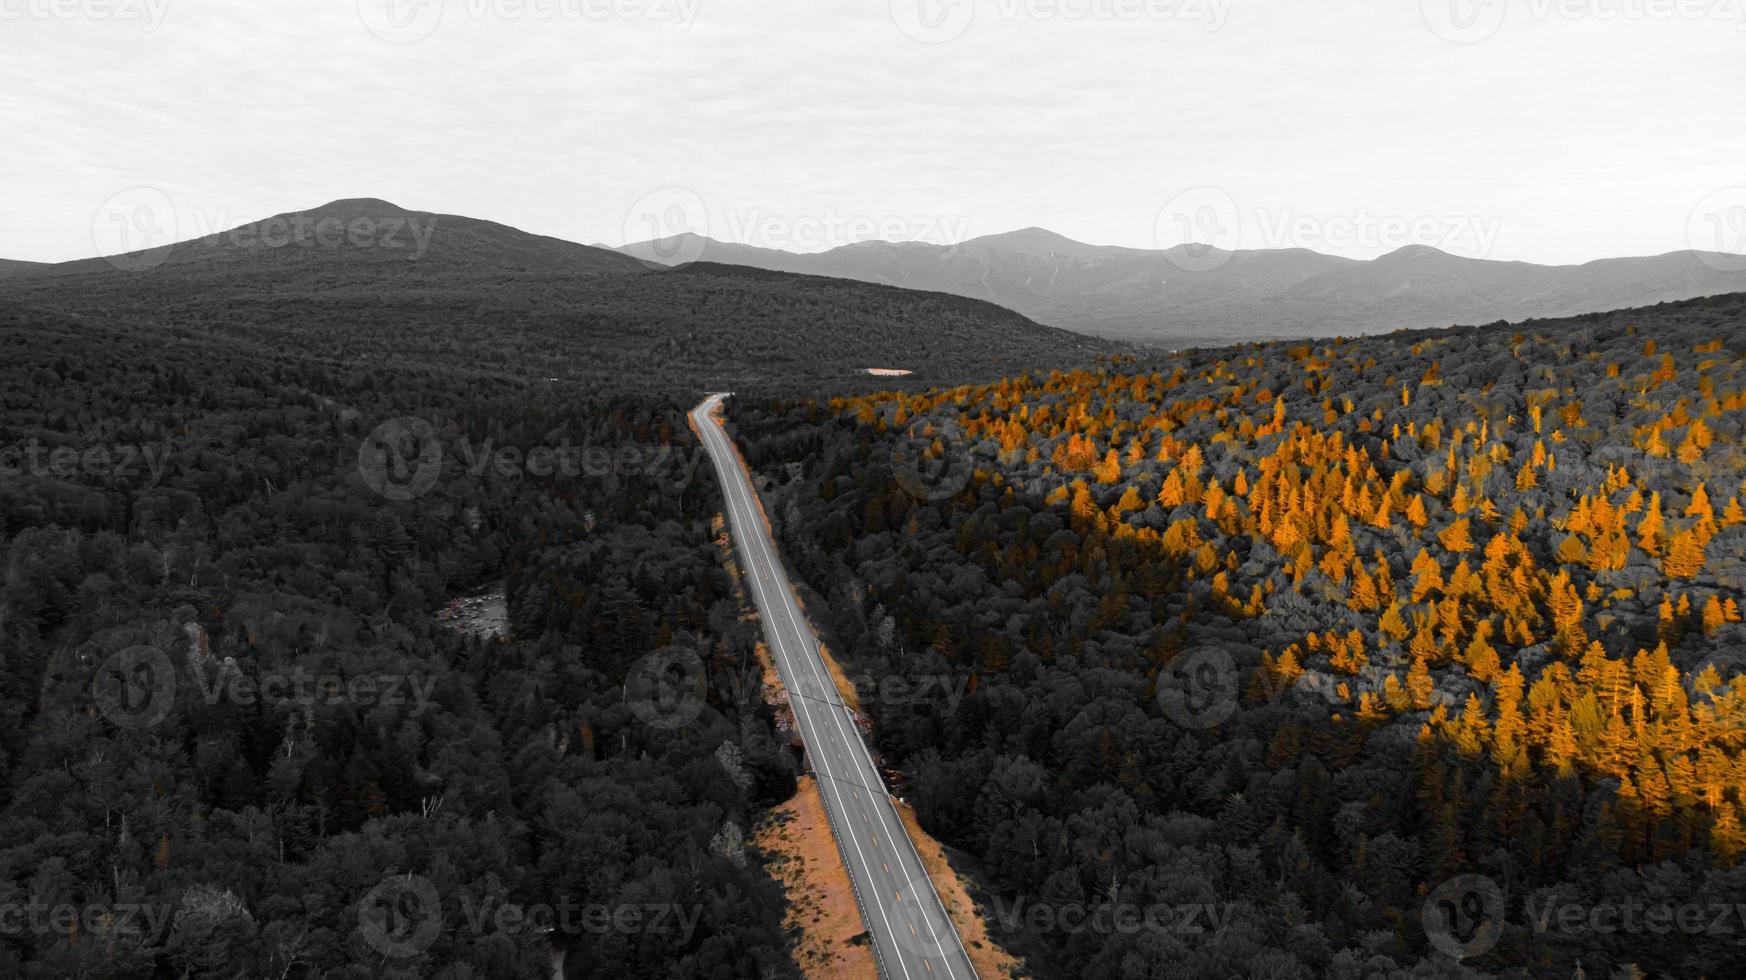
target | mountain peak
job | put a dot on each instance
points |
(360, 202)
(363, 233)
(357, 207)
(1414, 252)
(1033, 238)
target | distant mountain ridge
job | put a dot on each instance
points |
(367, 282)
(1187, 295)
(1195, 294)
(360, 231)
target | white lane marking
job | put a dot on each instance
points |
(814, 663)
(782, 653)
(807, 642)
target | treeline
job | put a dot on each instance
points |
(1313, 633)
(702, 328)
(176, 498)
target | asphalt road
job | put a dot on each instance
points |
(912, 937)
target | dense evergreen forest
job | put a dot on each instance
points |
(700, 328)
(1405, 656)
(237, 743)
(1416, 655)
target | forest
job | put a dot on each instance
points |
(447, 805)
(1413, 655)
(701, 328)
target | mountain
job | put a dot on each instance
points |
(1196, 295)
(360, 232)
(476, 292)
(14, 267)
(687, 248)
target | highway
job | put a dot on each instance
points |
(912, 937)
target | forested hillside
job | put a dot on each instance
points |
(437, 290)
(1416, 655)
(237, 742)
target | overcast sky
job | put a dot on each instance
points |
(1533, 130)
